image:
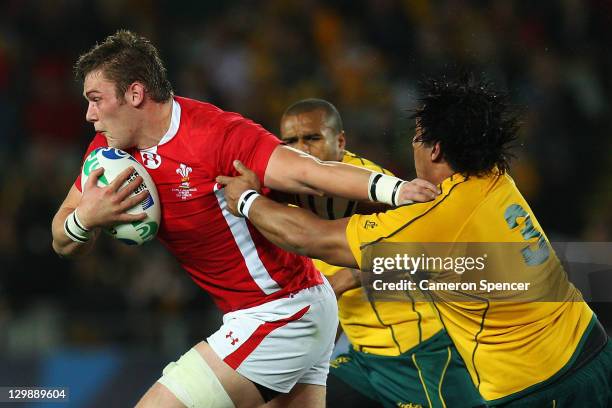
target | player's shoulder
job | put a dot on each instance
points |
(356, 160)
(204, 113)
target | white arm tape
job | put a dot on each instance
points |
(245, 201)
(384, 189)
(75, 230)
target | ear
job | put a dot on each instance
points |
(135, 94)
(341, 141)
(436, 153)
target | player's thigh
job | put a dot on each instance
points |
(300, 396)
(241, 391)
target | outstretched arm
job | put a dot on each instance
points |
(293, 171)
(298, 230)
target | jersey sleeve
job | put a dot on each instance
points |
(248, 142)
(98, 141)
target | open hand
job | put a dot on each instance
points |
(235, 186)
(417, 190)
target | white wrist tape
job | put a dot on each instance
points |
(75, 230)
(384, 189)
(245, 201)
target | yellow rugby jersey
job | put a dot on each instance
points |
(507, 347)
(383, 328)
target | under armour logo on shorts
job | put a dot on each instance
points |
(229, 336)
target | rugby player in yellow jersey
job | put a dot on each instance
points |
(519, 354)
(390, 341)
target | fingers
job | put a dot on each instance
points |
(426, 184)
(129, 189)
(131, 202)
(241, 168)
(416, 197)
(244, 170)
(92, 181)
(416, 192)
(121, 178)
(225, 180)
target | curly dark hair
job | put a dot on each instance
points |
(473, 123)
(124, 58)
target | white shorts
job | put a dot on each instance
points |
(282, 342)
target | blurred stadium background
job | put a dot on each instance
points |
(105, 326)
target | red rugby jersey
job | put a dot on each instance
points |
(223, 254)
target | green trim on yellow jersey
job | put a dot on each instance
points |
(507, 347)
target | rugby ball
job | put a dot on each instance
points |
(114, 161)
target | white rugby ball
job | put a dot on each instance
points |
(114, 161)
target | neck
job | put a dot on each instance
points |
(154, 123)
(439, 173)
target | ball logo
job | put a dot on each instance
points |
(151, 160)
(115, 154)
(91, 164)
(147, 230)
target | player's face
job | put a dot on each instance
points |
(308, 132)
(110, 115)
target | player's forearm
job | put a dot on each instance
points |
(282, 225)
(293, 171)
(300, 231)
(62, 244)
(339, 179)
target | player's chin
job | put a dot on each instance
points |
(117, 144)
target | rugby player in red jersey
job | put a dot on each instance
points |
(280, 314)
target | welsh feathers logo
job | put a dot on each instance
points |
(184, 171)
(184, 189)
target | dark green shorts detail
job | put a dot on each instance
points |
(430, 375)
(590, 386)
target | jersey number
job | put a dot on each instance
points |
(531, 256)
